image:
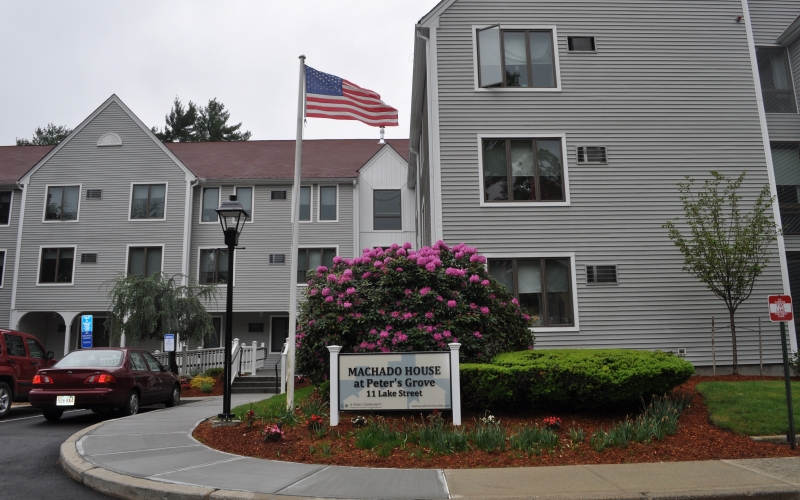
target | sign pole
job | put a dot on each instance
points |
(334, 380)
(791, 436)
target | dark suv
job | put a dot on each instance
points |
(21, 356)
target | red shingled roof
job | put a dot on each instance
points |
(15, 161)
(329, 158)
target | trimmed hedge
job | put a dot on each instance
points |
(571, 378)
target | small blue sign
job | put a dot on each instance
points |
(169, 342)
(86, 331)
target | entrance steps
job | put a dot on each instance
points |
(254, 384)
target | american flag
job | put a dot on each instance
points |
(329, 96)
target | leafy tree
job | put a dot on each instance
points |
(147, 308)
(180, 123)
(727, 247)
(212, 124)
(50, 135)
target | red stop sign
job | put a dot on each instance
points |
(780, 308)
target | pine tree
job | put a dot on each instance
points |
(212, 124)
(50, 135)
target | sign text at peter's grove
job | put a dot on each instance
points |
(395, 381)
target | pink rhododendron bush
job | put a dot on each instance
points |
(405, 300)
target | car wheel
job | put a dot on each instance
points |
(174, 398)
(132, 408)
(5, 399)
(53, 415)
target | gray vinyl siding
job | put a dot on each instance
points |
(670, 92)
(103, 225)
(8, 242)
(259, 285)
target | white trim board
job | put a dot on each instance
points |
(199, 252)
(39, 265)
(144, 245)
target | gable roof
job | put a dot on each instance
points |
(328, 158)
(15, 161)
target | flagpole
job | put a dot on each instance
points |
(298, 151)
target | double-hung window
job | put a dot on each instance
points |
(521, 58)
(542, 286)
(144, 261)
(210, 203)
(56, 265)
(244, 195)
(786, 164)
(2, 268)
(5, 207)
(327, 203)
(62, 203)
(147, 201)
(776, 80)
(213, 266)
(309, 259)
(386, 208)
(523, 170)
(305, 203)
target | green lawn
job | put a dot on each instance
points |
(274, 403)
(755, 408)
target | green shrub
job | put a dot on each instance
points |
(206, 388)
(571, 378)
(401, 300)
(199, 382)
(214, 372)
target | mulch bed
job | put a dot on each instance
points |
(188, 392)
(696, 439)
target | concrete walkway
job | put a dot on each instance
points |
(153, 455)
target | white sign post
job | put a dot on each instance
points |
(395, 381)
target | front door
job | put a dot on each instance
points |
(280, 332)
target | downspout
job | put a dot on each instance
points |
(12, 319)
(356, 220)
(187, 228)
(773, 190)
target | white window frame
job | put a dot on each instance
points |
(143, 245)
(200, 252)
(253, 200)
(202, 195)
(319, 205)
(11, 208)
(44, 206)
(525, 204)
(504, 27)
(573, 274)
(402, 222)
(300, 247)
(310, 204)
(130, 201)
(39, 264)
(270, 331)
(3, 274)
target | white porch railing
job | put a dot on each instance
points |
(244, 359)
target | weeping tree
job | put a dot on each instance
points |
(145, 308)
(727, 246)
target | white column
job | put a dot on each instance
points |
(255, 358)
(455, 383)
(333, 378)
(122, 340)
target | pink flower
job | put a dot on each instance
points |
(492, 296)
(366, 275)
(351, 291)
(348, 273)
(359, 315)
(329, 298)
(408, 315)
(364, 345)
(406, 245)
(437, 336)
(473, 306)
(384, 334)
(478, 335)
(451, 303)
(401, 252)
(429, 315)
(389, 328)
(515, 301)
(424, 291)
(378, 264)
(347, 305)
(477, 258)
(407, 291)
(311, 323)
(439, 298)
(430, 266)
(322, 269)
(385, 349)
(485, 282)
(373, 331)
(484, 310)
(526, 317)
(447, 333)
(395, 314)
(326, 291)
(452, 271)
(474, 278)
(455, 339)
(399, 269)
(312, 292)
(331, 277)
(337, 260)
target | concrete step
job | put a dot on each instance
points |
(248, 390)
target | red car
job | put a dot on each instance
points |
(21, 356)
(103, 379)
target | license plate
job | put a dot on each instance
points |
(65, 400)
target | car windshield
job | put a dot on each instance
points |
(90, 359)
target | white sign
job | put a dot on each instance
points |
(395, 381)
(169, 342)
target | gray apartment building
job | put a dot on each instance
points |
(552, 135)
(111, 199)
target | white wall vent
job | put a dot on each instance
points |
(88, 258)
(277, 258)
(109, 140)
(94, 194)
(592, 154)
(601, 275)
(278, 195)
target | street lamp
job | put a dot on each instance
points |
(231, 217)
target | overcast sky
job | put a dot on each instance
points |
(61, 60)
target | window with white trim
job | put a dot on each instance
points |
(56, 265)
(523, 170)
(213, 266)
(543, 287)
(148, 201)
(210, 203)
(62, 203)
(386, 210)
(516, 58)
(776, 80)
(308, 259)
(5, 207)
(245, 196)
(327, 203)
(305, 203)
(144, 261)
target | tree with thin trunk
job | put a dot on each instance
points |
(727, 246)
(145, 308)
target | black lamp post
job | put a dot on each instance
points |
(231, 217)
